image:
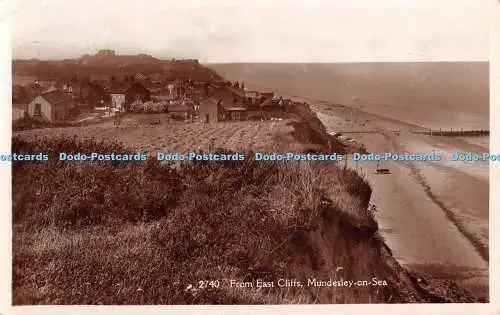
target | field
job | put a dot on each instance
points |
(139, 132)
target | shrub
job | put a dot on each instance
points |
(28, 122)
(77, 194)
(136, 107)
(148, 107)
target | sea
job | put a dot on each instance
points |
(428, 94)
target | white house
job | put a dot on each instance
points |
(51, 106)
(118, 100)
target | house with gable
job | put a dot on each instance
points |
(51, 106)
(123, 93)
(225, 103)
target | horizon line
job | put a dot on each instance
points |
(380, 60)
(203, 60)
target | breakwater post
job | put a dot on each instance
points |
(454, 133)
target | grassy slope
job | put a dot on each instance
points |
(157, 229)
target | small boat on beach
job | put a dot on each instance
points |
(381, 171)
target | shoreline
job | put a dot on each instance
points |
(436, 230)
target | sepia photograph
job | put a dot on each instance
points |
(249, 153)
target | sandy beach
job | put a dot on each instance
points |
(433, 215)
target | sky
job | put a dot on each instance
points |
(256, 31)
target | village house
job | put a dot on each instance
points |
(211, 110)
(52, 106)
(236, 113)
(228, 103)
(123, 93)
(230, 96)
(85, 94)
(173, 89)
(68, 87)
(21, 97)
(93, 95)
(252, 98)
(154, 87)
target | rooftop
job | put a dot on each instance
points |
(119, 87)
(55, 97)
(154, 86)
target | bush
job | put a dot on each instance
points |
(136, 107)
(148, 107)
(63, 193)
(28, 122)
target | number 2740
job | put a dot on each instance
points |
(203, 284)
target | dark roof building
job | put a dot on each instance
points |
(229, 96)
(154, 87)
(119, 87)
(133, 91)
(93, 94)
(236, 113)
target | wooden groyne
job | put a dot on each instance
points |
(454, 132)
